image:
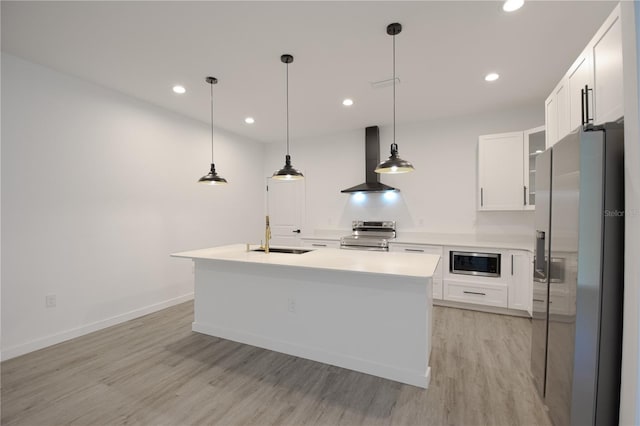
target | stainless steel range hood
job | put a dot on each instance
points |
(372, 159)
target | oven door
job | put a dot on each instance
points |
(472, 263)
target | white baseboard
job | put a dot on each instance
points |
(54, 339)
(390, 372)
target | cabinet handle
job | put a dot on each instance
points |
(524, 194)
(582, 94)
(511, 264)
(585, 105)
(318, 245)
(473, 292)
(481, 197)
(414, 250)
(297, 231)
(538, 300)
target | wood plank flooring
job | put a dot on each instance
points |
(155, 371)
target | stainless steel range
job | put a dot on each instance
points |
(369, 235)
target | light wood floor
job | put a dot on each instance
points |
(155, 371)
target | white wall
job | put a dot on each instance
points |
(629, 394)
(439, 197)
(97, 189)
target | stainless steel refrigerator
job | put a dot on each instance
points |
(576, 344)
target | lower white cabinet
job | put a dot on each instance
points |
(511, 290)
(425, 249)
(520, 283)
(477, 292)
(320, 243)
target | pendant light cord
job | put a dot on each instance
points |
(287, 96)
(211, 123)
(394, 88)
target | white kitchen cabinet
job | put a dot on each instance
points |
(591, 91)
(557, 113)
(534, 145)
(424, 249)
(521, 280)
(478, 293)
(580, 75)
(501, 172)
(320, 243)
(506, 169)
(551, 120)
(606, 50)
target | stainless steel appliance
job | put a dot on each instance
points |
(473, 263)
(369, 235)
(576, 341)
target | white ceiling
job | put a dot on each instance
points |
(445, 49)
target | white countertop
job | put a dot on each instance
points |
(397, 264)
(514, 242)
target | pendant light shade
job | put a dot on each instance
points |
(394, 164)
(288, 172)
(212, 177)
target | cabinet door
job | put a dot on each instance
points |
(551, 120)
(534, 144)
(520, 285)
(608, 95)
(562, 101)
(500, 172)
(580, 75)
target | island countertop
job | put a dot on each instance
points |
(367, 262)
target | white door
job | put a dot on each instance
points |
(607, 71)
(580, 75)
(285, 208)
(500, 172)
(520, 286)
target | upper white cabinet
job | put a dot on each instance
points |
(606, 49)
(557, 113)
(500, 172)
(591, 91)
(580, 75)
(534, 145)
(506, 169)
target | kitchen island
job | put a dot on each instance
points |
(365, 311)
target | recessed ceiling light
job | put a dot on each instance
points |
(249, 120)
(492, 77)
(511, 5)
(179, 89)
(347, 102)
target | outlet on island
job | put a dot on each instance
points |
(50, 300)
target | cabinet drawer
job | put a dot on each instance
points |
(474, 293)
(316, 243)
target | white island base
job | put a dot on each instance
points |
(372, 322)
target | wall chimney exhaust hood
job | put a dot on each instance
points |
(372, 159)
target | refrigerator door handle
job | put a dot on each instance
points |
(540, 262)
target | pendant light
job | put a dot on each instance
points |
(287, 172)
(212, 177)
(394, 164)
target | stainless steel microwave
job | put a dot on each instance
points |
(473, 263)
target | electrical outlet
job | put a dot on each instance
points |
(291, 305)
(50, 300)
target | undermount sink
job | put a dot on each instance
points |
(284, 250)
